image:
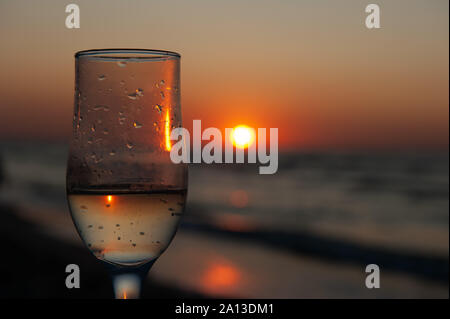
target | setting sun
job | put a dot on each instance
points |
(242, 136)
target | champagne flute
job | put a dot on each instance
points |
(125, 194)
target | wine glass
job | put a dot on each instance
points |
(125, 194)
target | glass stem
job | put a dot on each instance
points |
(127, 286)
(127, 281)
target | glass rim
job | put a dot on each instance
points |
(121, 54)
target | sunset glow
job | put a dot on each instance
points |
(322, 102)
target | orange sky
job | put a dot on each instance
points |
(310, 68)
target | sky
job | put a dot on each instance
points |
(310, 68)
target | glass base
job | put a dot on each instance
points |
(127, 280)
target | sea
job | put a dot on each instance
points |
(306, 231)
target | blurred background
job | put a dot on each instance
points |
(363, 134)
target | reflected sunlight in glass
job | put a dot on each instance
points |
(167, 131)
(109, 200)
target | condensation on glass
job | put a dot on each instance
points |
(126, 104)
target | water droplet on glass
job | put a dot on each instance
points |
(130, 145)
(140, 92)
(137, 125)
(122, 83)
(122, 64)
(101, 108)
(158, 108)
(122, 118)
(162, 82)
(93, 128)
(112, 153)
(133, 96)
(97, 159)
(162, 94)
(141, 233)
(83, 207)
(105, 131)
(101, 77)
